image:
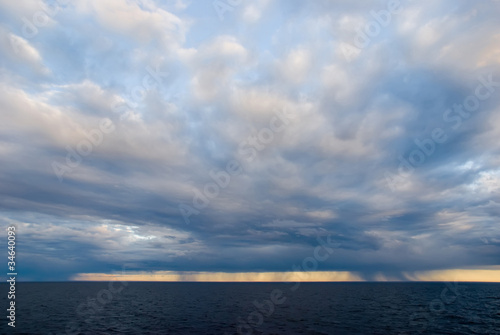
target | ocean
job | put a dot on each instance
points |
(253, 308)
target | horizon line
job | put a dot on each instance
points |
(257, 282)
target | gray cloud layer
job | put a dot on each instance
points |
(315, 119)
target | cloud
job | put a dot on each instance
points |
(143, 21)
(20, 52)
(315, 132)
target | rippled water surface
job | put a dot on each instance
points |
(254, 308)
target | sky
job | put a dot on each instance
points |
(240, 140)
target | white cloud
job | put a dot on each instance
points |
(142, 21)
(22, 52)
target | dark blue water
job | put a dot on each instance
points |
(254, 308)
